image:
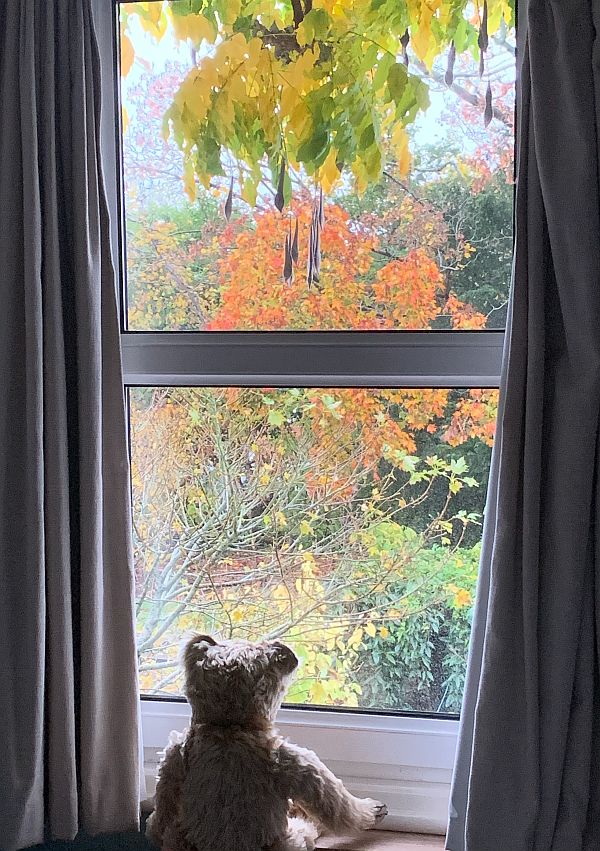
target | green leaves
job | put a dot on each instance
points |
(397, 80)
(276, 418)
(319, 88)
(314, 27)
(315, 149)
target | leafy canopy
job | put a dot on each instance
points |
(322, 85)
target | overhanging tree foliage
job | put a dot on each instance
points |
(324, 85)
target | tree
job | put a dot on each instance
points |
(323, 86)
(269, 512)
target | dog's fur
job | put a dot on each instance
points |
(231, 782)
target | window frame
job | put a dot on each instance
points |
(403, 758)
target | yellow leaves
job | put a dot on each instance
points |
(318, 693)
(255, 51)
(498, 10)
(189, 180)
(281, 598)
(463, 598)
(371, 630)
(224, 113)
(127, 53)
(280, 519)
(152, 18)
(422, 38)
(297, 74)
(329, 174)
(193, 95)
(355, 640)
(299, 120)
(308, 569)
(230, 10)
(147, 682)
(234, 50)
(237, 615)
(384, 632)
(305, 528)
(401, 150)
(196, 28)
(455, 486)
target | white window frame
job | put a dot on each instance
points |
(403, 759)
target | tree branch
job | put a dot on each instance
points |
(298, 13)
(463, 94)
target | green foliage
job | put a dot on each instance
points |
(322, 84)
(419, 662)
(485, 221)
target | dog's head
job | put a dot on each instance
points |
(235, 682)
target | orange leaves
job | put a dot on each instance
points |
(464, 316)
(474, 417)
(406, 293)
(409, 291)
(127, 53)
(254, 295)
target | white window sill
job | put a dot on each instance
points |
(404, 761)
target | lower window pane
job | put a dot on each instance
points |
(346, 522)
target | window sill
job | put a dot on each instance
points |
(404, 761)
(382, 841)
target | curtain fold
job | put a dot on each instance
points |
(528, 763)
(68, 680)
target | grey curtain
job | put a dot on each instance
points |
(527, 775)
(68, 689)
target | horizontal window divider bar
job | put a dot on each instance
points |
(324, 381)
(381, 339)
(322, 359)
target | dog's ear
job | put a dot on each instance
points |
(283, 658)
(194, 650)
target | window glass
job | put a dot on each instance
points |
(394, 180)
(346, 522)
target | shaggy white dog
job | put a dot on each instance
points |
(231, 782)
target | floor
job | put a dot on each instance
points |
(371, 841)
(379, 840)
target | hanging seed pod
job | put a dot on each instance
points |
(317, 220)
(321, 213)
(279, 199)
(317, 244)
(489, 110)
(227, 209)
(310, 266)
(288, 266)
(404, 41)
(483, 38)
(294, 249)
(449, 78)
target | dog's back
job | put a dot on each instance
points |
(231, 797)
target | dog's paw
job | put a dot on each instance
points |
(374, 812)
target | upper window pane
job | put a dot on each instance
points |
(286, 170)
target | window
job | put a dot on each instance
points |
(316, 250)
(342, 520)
